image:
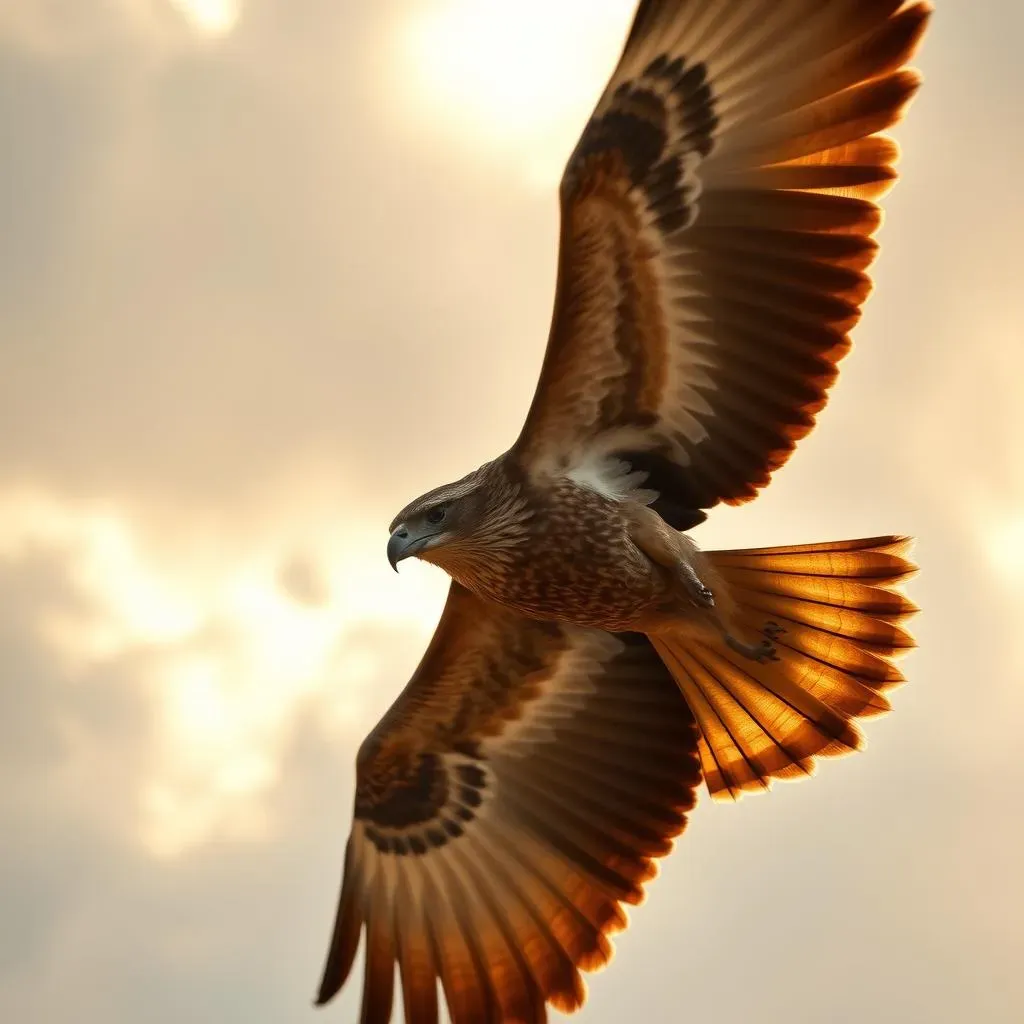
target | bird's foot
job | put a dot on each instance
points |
(773, 630)
(759, 652)
(699, 594)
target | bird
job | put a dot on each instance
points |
(592, 666)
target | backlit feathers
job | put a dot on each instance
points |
(717, 222)
(513, 798)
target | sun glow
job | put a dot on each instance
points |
(523, 78)
(1005, 548)
(210, 17)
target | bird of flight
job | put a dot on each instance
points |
(592, 665)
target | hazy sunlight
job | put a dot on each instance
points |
(210, 17)
(529, 77)
(238, 652)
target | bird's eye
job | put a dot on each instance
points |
(436, 515)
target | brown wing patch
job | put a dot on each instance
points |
(624, 189)
(495, 842)
(616, 283)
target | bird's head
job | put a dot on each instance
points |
(439, 522)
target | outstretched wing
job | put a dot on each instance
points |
(717, 217)
(515, 795)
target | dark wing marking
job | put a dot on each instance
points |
(514, 797)
(717, 217)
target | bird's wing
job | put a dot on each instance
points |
(717, 217)
(515, 795)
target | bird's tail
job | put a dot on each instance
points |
(836, 618)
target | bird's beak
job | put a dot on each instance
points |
(405, 542)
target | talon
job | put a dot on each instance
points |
(760, 652)
(773, 630)
(766, 652)
(703, 596)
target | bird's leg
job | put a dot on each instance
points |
(698, 593)
(677, 553)
(672, 550)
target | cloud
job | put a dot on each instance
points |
(223, 306)
(110, 913)
(225, 656)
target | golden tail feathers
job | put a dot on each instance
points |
(835, 616)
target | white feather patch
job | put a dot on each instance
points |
(609, 476)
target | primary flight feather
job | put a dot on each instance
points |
(592, 665)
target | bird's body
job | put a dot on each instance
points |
(561, 549)
(592, 666)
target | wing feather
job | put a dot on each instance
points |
(379, 965)
(717, 223)
(417, 960)
(514, 797)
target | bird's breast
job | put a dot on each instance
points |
(576, 563)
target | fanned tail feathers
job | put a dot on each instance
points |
(836, 617)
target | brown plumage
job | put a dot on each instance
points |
(592, 664)
(515, 794)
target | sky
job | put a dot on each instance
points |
(267, 271)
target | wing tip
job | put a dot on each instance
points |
(328, 989)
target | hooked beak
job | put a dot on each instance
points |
(404, 543)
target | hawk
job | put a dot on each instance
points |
(592, 666)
